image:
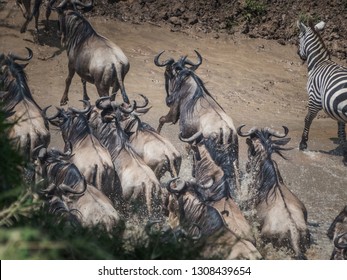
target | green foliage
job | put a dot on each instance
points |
(254, 9)
(11, 162)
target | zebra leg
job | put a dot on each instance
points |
(341, 132)
(308, 121)
(344, 147)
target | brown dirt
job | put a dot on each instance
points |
(258, 82)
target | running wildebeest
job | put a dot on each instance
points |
(337, 232)
(281, 215)
(198, 113)
(68, 190)
(93, 57)
(227, 239)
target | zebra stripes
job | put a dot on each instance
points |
(326, 85)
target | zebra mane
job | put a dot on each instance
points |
(311, 25)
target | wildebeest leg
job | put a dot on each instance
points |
(48, 12)
(68, 80)
(308, 121)
(85, 95)
(24, 26)
(119, 85)
(171, 116)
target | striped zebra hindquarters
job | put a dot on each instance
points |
(327, 83)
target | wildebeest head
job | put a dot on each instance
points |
(176, 72)
(10, 70)
(260, 142)
(63, 177)
(187, 209)
(70, 20)
(73, 122)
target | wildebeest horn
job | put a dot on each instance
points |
(44, 113)
(67, 188)
(337, 241)
(50, 188)
(194, 65)
(276, 133)
(37, 153)
(167, 62)
(17, 57)
(100, 103)
(178, 185)
(191, 138)
(198, 236)
(145, 104)
(242, 134)
(84, 111)
(125, 110)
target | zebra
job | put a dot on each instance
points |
(326, 85)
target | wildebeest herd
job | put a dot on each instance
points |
(113, 164)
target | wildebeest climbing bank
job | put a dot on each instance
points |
(183, 135)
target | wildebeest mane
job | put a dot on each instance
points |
(78, 128)
(268, 177)
(200, 91)
(222, 155)
(15, 84)
(77, 29)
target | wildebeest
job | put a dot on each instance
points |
(29, 129)
(221, 238)
(281, 215)
(28, 13)
(141, 190)
(65, 184)
(91, 158)
(156, 150)
(337, 232)
(93, 57)
(198, 112)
